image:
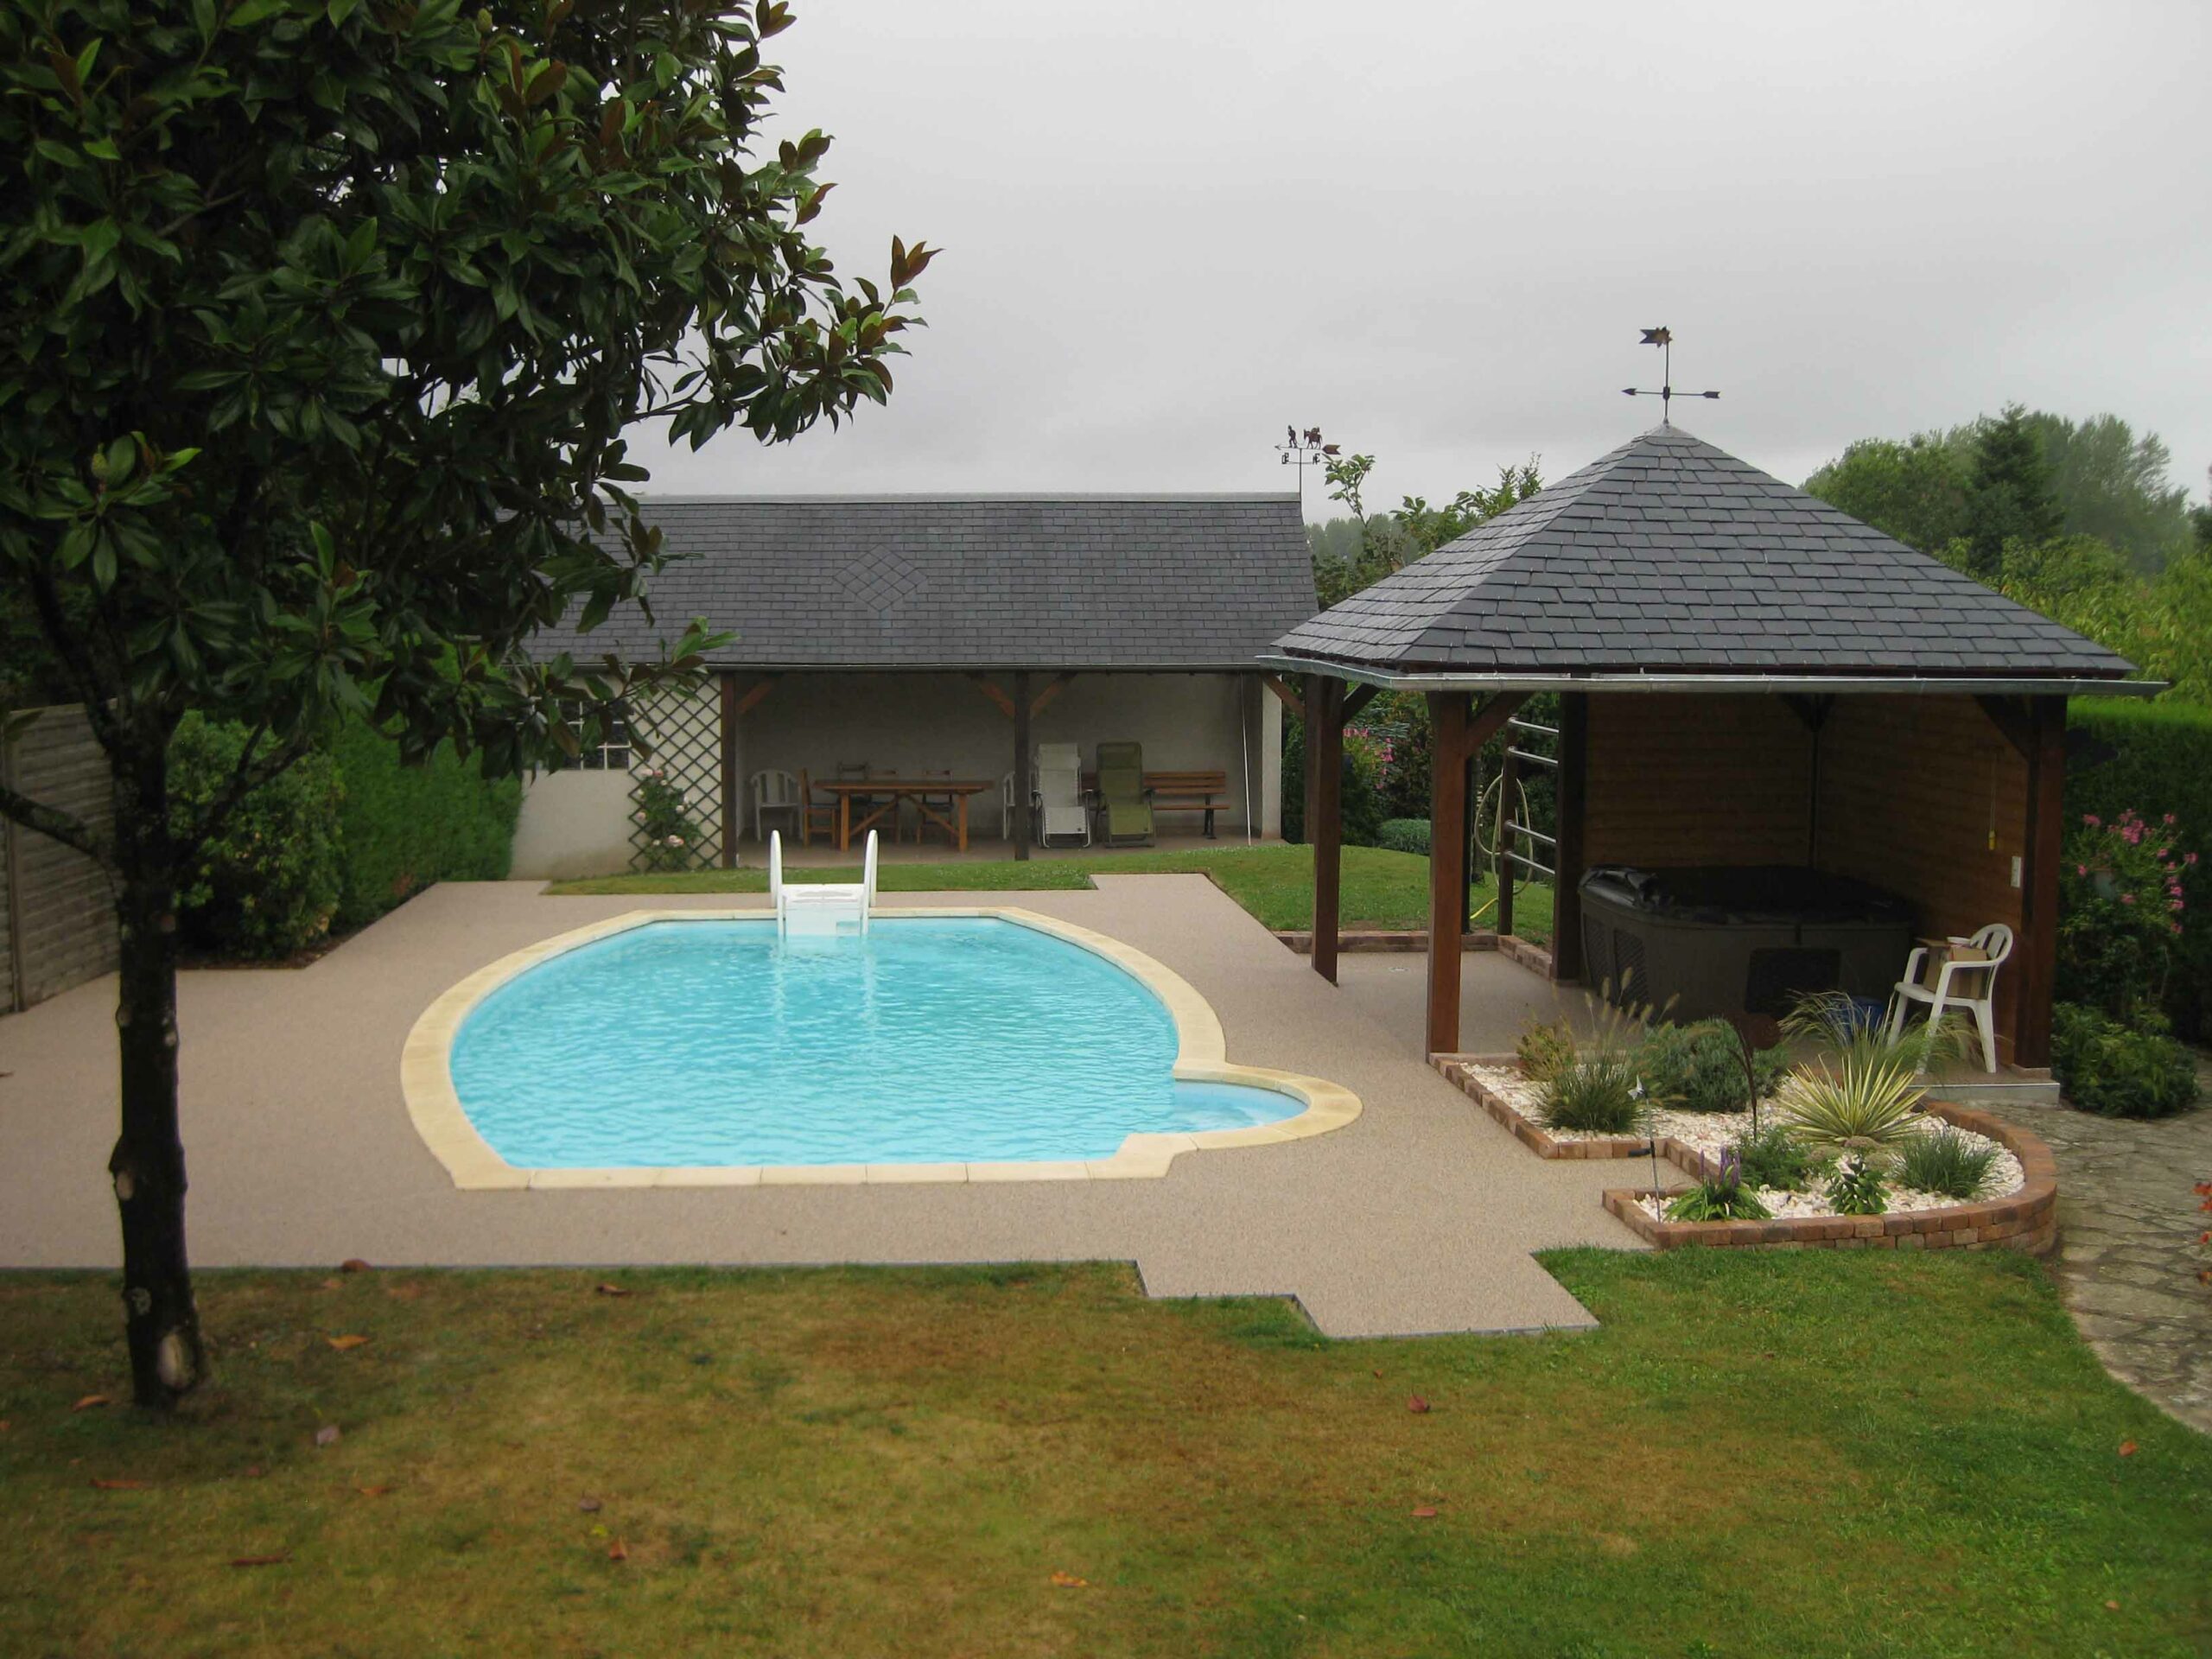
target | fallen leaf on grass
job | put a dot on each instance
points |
(121, 1485)
(332, 1284)
(1378, 1373)
(5, 1425)
(612, 1290)
(327, 1435)
(353, 1264)
(1424, 1512)
(342, 1343)
(1069, 1581)
(2112, 1606)
(2127, 1448)
(618, 1551)
(92, 1400)
(278, 1559)
(1416, 1403)
(254, 1472)
(590, 1505)
(373, 1491)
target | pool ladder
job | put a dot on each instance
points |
(818, 907)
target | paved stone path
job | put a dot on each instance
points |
(2127, 1264)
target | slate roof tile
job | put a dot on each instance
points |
(980, 581)
(1670, 551)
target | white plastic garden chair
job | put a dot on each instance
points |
(817, 907)
(774, 792)
(1059, 795)
(1956, 987)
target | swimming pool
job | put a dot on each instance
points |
(943, 1039)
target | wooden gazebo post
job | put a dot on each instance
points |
(1458, 730)
(1324, 817)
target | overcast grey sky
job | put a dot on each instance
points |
(1435, 231)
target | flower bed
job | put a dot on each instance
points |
(2020, 1212)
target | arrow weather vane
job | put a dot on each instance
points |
(1664, 340)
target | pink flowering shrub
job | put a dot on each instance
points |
(660, 809)
(2122, 906)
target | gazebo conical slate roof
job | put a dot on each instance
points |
(1669, 556)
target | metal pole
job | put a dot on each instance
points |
(1023, 781)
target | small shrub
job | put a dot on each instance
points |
(1546, 1048)
(1598, 1093)
(2116, 1071)
(1722, 1194)
(661, 810)
(1944, 1161)
(1404, 836)
(408, 825)
(1857, 1189)
(2120, 901)
(1700, 1068)
(268, 883)
(1776, 1158)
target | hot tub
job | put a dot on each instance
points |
(1720, 940)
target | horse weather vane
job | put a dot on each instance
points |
(1664, 340)
(1304, 449)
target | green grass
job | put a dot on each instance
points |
(1380, 888)
(1755, 1454)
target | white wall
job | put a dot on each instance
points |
(573, 824)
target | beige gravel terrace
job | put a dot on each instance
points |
(1418, 1217)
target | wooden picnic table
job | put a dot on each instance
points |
(882, 795)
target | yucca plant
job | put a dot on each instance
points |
(1853, 1103)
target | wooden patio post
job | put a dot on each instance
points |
(2046, 830)
(732, 798)
(1325, 822)
(1023, 782)
(1448, 865)
(1566, 861)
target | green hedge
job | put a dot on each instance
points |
(403, 827)
(2157, 758)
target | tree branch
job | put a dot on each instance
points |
(51, 821)
(246, 777)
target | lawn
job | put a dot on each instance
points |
(1755, 1454)
(1380, 888)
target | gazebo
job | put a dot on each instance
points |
(1746, 676)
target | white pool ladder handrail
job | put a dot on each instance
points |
(815, 907)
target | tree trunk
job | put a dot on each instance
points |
(160, 1321)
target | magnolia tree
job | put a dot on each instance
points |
(324, 324)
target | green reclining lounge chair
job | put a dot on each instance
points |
(1124, 804)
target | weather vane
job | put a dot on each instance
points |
(1304, 449)
(1664, 340)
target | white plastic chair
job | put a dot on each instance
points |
(1996, 944)
(774, 792)
(819, 906)
(1059, 794)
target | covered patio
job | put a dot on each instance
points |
(897, 662)
(1746, 680)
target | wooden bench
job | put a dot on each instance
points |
(1189, 792)
(1179, 791)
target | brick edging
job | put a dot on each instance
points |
(1377, 938)
(2024, 1220)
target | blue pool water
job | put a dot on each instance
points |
(929, 1040)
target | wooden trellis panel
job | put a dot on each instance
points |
(683, 734)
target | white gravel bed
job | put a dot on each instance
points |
(1713, 1132)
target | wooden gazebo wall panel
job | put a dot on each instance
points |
(1911, 790)
(1914, 790)
(1696, 779)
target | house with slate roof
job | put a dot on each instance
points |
(944, 634)
(1748, 679)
